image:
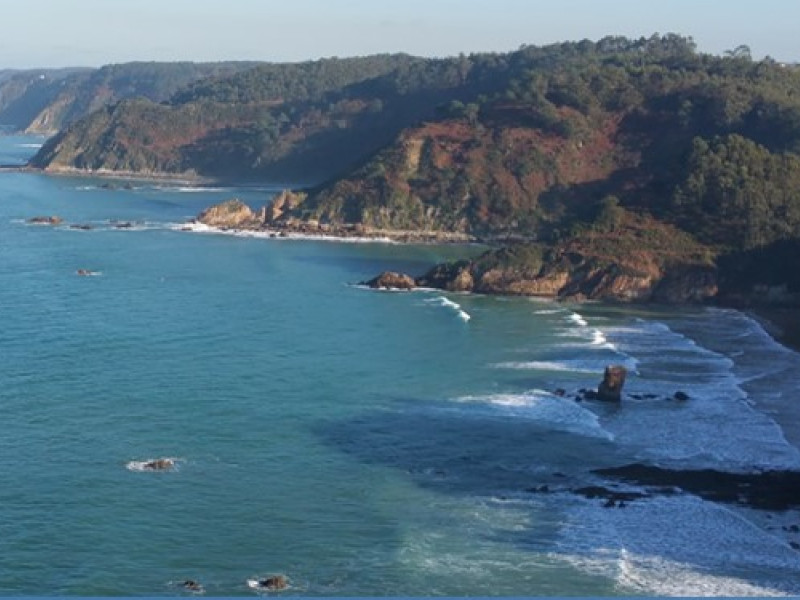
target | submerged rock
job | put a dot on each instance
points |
(610, 389)
(765, 490)
(192, 586)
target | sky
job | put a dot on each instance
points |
(58, 33)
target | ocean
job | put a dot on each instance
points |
(362, 443)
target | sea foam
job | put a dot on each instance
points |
(674, 546)
(716, 428)
(560, 413)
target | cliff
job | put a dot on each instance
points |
(611, 264)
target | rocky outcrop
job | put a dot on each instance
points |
(592, 282)
(272, 583)
(610, 389)
(392, 281)
(159, 464)
(231, 214)
(283, 203)
(765, 490)
(51, 220)
(572, 272)
(451, 277)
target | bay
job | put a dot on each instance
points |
(360, 442)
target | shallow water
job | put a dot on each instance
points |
(360, 442)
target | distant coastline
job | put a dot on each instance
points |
(182, 178)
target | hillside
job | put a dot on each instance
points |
(644, 138)
(704, 143)
(25, 93)
(293, 122)
(44, 101)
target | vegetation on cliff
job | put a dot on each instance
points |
(305, 121)
(628, 163)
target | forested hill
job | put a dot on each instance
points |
(46, 100)
(307, 121)
(604, 148)
(706, 143)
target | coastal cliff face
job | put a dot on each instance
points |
(481, 177)
(595, 266)
(568, 276)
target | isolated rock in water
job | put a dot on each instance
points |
(159, 464)
(610, 388)
(51, 220)
(231, 213)
(192, 586)
(273, 582)
(392, 280)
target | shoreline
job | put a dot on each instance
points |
(178, 178)
(343, 235)
(780, 322)
(187, 179)
(113, 175)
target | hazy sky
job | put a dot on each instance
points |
(53, 33)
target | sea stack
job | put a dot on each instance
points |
(610, 388)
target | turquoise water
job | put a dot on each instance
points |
(360, 442)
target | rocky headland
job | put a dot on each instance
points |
(638, 259)
(279, 219)
(594, 266)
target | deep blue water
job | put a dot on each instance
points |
(360, 442)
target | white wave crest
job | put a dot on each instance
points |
(563, 414)
(455, 306)
(568, 366)
(675, 546)
(576, 318)
(279, 235)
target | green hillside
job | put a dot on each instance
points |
(629, 163)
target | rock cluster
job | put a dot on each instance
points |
(391, 280)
